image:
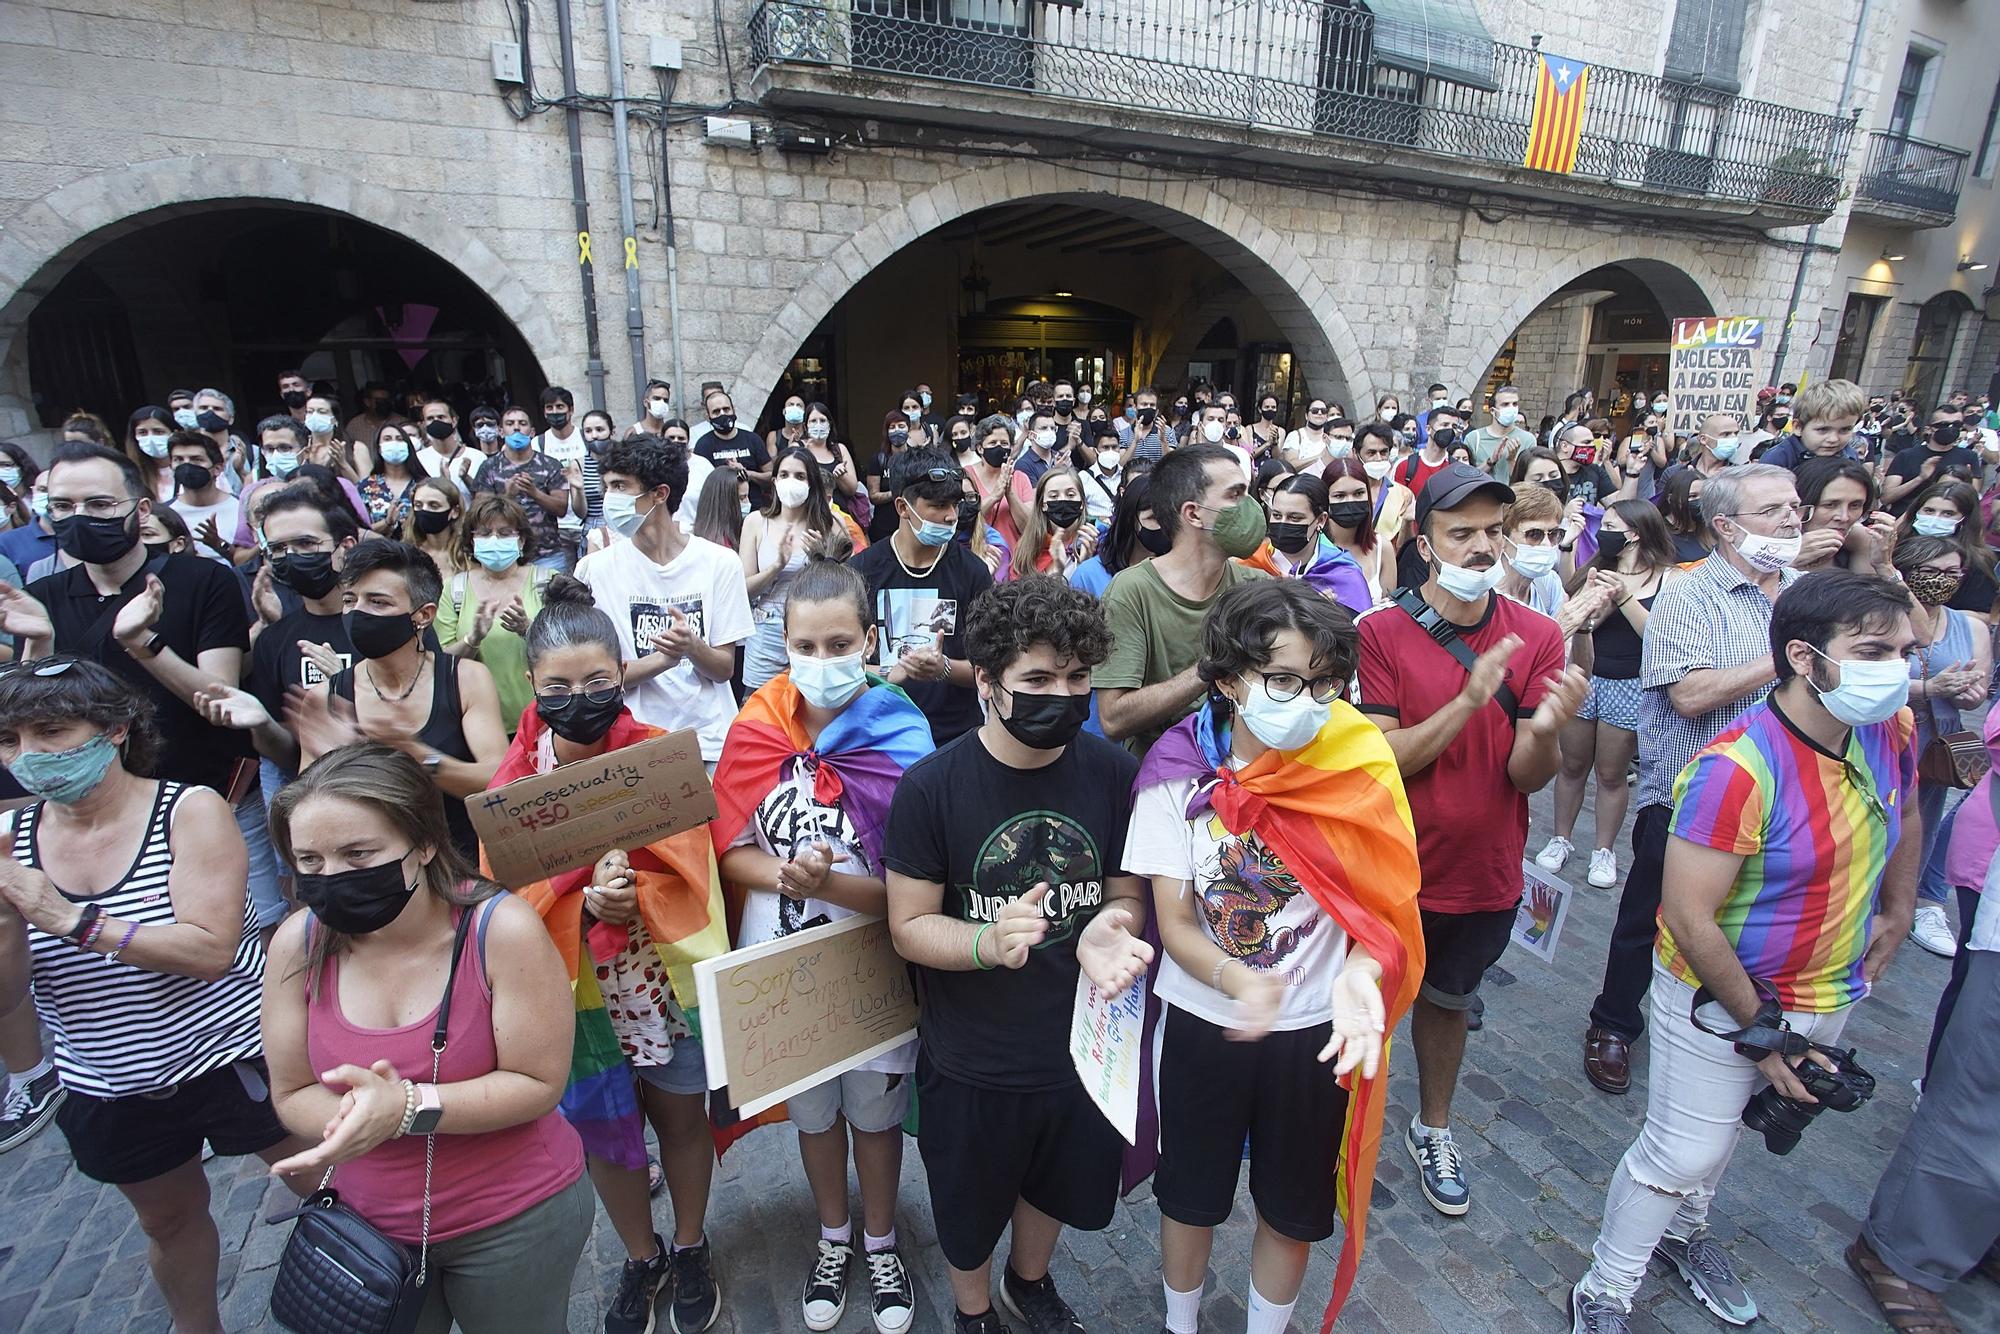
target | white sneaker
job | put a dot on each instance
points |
(1554, 853)
(1932, 930)
(1603, 868)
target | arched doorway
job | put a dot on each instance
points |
(234, 294)
(1938, 321)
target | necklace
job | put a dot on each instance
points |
(423, 656)
(897, 552)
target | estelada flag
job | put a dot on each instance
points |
(1557, 125)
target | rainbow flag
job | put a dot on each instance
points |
(1556, 127)
(1334, 812)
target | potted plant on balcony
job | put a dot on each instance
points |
(1795, 180)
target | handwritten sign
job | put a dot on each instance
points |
(1713, 369)
(575, 813)
(1539, 917)
(1104, 1038)
(779, 1017)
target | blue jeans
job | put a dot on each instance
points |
(267, 898)
(1931, 887)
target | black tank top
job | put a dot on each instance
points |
(1616, 645)
(443, 732)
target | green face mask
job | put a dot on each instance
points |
(1239, 529)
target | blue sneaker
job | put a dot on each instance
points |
(1440, 1170)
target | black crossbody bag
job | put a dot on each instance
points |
(339, 1274)
(1445, 635)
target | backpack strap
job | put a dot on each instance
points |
(458, 594)
(1446, 636)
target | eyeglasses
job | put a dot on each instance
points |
(1771, 512)
(97, 507)
(298, 546)
(1535, 537)
(1285, 686)
(601, 690)
(943, 475)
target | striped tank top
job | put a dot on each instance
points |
(121, 1030)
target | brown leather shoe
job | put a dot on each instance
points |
(1908, 1308)
(1607, 1060)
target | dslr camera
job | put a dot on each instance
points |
(1780, 1119)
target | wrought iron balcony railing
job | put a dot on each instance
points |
(1912, 174)
(1321, 67)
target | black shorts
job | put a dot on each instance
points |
(1458, 949)
(123, 1141)
(984, 1149)
(1275, 1091)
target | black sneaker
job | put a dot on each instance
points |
(825, 1299)
(986, 1322)
(1037, 1305)
(638, 1289)
(893, 1303)
(697, 1297)
(29, 1107)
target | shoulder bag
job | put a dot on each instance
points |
(1951, 759)
(339, 1274)
(1446, 636)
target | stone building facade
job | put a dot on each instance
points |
(1382, 258)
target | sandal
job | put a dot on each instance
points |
(656, 1177)
(1908, 1308)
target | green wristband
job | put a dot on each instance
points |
(976, 937)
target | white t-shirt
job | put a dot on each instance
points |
(788, 815)
(705, 584)
(1100, 494)
(564, 452)
(1247, 902)
(460, 469)
(227, 513)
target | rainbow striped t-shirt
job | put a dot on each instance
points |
(1814, 832)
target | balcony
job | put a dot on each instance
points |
(1298, 82)
(1910, 181)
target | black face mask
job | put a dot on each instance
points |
(159, 550)
(1062, 513)
(439, 430)
(1945, 433)
(1155, 542)
(192, 476)
(376, 636)
(96, 541)
(897, 439)
(556, 420)
(1046, 722)
(1611, 544)
(431, 522)
(1290, 538)
(1146, 416)
(310, 574)
(1065, 406)
(995, 456)
(358, 901)
(580, 718)
(968, 515)
(724, 424)
(1444, 437)
(211, 421)
(293, 398)
(1348, 513)
(1268, 414)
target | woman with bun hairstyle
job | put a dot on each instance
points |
(629, 928)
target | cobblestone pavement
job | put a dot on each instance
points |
(1540, 1143)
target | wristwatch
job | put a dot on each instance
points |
(432, 761)
(150, 649)
(424, 1119)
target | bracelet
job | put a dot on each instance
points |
(1215, 974)
(977, 936)
(86, 918)
(131, 930)
(409, 1109)
(90, 936)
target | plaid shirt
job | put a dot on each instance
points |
(1712, 617)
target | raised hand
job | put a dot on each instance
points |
(1489, 671)
(1111, 955)
(226, 706)
(22, 615)
(264, 597)
(1358, 1022)
(137, 618)
(1020, 926)
(514, 617)
(805, 875)
(370, 1113)
(1565, 696)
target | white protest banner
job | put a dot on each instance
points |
(781, 1016)
(1713, 369)
(1544, 907)
(1104, 1039)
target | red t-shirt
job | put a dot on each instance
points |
(1472, 822)
(1413, 472)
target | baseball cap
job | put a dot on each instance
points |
(1453, 485)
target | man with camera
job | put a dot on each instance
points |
(1789, 883)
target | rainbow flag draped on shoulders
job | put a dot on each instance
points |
(1334, 812)
(680, 905)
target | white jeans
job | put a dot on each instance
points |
(1695, 1091)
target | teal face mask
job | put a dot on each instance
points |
(496, 553)
(65, 776)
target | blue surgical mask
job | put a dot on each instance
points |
(1927, 525)
(1869, 692)
(10, 478)
(1534, 562)
(621, 513)
(65, 776)
(281, 463)
(794, 415)
(186, 418)
(519, 440)
(319, 423)
(496, 553)
(935, 534)
(829, 683)
(39, 503)
(154, 446)
(1725, 448)
(395, 451)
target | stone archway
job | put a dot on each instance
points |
(1270, 268)
(46, 240)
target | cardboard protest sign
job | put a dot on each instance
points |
(1544, 907)
(575, 813)
(1104, 1040)
(781, 1016)
(1713, 369)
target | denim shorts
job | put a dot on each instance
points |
(686, 1072)
(870, 1100)
(1613, 703)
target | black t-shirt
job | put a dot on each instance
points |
(745, 447)
(928, 610)
(276, 663)
(882, 522)
(989, 833)
(1910, 462)
(203, 609)
(1589, 481)
(1976, 592)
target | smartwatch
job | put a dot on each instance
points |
(151, 648)
(424, 1120)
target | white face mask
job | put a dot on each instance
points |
(794, 414)
(1869, 692)
(1767, 554)
(1107, 459)
(829, 683)
(1045, 438)
(1933, 525)
(1506, 416)
(818, 430)
(1338, 448)
(1212, 431)
(1387, 414)
(621, 513)
(1468, 585)
(1281, 724)
(656, 408)
(154, 446)
(1376, 469)
(1534, 562)
(792, 490)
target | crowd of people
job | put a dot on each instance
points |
(1156, 692)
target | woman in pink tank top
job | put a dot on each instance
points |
(351, 998)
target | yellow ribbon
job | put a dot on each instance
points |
(583, 247)
(631, 253)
